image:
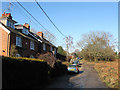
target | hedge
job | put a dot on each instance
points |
(23, 72)
(58, 69)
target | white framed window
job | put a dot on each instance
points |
(32, 45)
(55, 50)
(8, 22)
(18, 41)
(18, 55)
(13, 26)
(25, 31)
(51, 49)
(31, 56)
(44, 46)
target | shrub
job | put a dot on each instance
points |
(108, 73)
(48, 57)
(56, 67)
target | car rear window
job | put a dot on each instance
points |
(72, 65)
(76, 61)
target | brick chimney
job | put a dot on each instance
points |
(7, 15)
(27, 26)
(40, 34)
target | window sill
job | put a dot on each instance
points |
(18, 46)
(32, 49)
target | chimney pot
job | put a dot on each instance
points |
(40, 34)
(27, 26)
(7, 15)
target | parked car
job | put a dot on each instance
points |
(73, 68)
(76, 62)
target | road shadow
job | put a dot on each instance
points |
(81, 80)
(63, 81)
(72, 73)
(80, 64)
(80, 72)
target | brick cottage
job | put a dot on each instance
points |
(27, 43)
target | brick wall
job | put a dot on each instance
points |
(48, 47)
(25, 50)
(5, 42)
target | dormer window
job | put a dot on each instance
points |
(10, 24)
(7, 20)
(7, 23)
(25, 31)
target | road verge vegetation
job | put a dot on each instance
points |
(107, 71)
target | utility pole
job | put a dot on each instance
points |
(67, 47)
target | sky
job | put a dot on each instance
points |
(72, 18)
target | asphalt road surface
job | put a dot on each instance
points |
(87, 78)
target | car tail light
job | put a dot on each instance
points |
(67, 67)
(76, 68)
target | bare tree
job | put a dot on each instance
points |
(33, 30)
(69, 44)
(49, 36)
(97, 46)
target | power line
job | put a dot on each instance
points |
(18, 9)
(49, 17)
(33, 17)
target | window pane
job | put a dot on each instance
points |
(44, 47)
(18, 41)
(32, 45)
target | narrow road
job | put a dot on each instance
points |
(87, 78)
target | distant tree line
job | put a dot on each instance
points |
(97, 46)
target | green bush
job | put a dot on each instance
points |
(23, 72)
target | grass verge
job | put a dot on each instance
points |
(108, 72)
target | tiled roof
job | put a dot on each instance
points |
(47, 42)
(19, 33)
(43, 39)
